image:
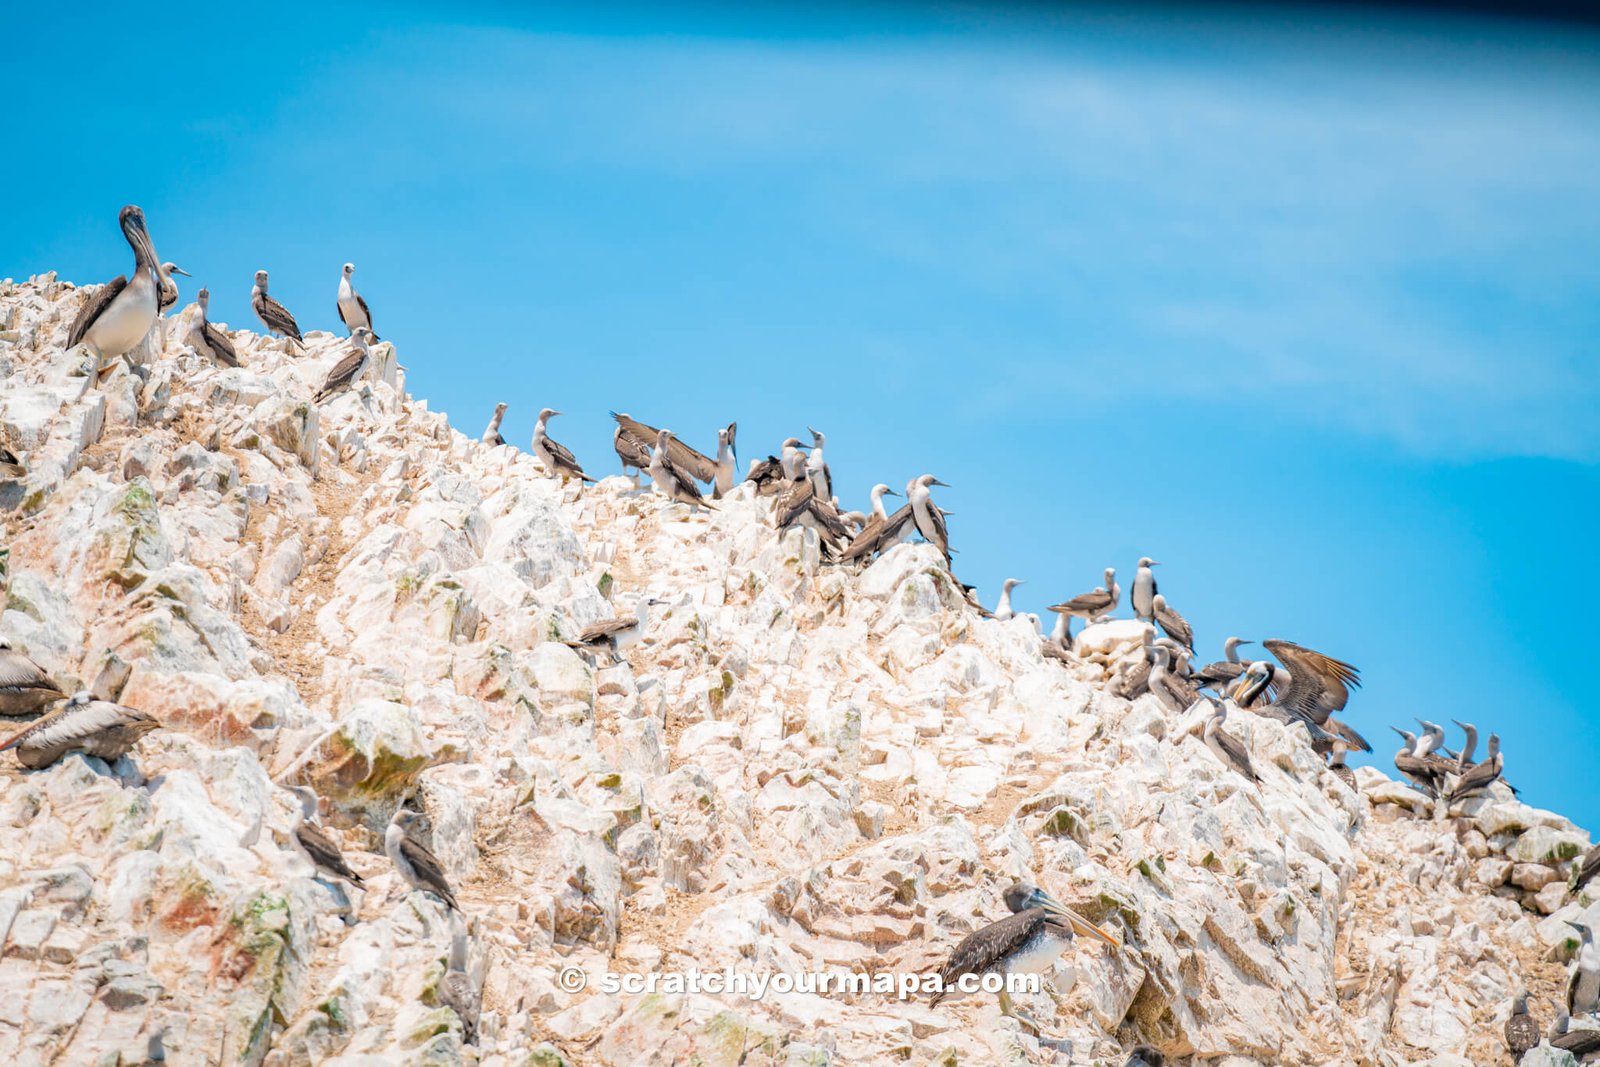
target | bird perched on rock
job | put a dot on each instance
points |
(1583, 1044)
(1583, 982)
(120, 313)
(1480, 776)
(556, 457)
(25, 687)
(1003, 610)
(314, 843)
(727, 462)
(1094, 605)
(491, 435)
(927, 516)
(418, 866)
(1145, 590)
(353, 311)
(1522, 1033)
(1218, 675)
(1336, 764)
(643, 438)
(1586, 870)
(348, 369)
(273, 315)
(169, 288)
(82, 724)
(1229, 749)
(1172, 624)
(207, 339)
(617, 634)
(668, 479)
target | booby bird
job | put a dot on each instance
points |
(11, 468)
(1584, 1044)
(727, 461)
(317, 847)
(206, 339)
(697, 465)
(556, 457)
(668, 480)
(800, 501)
(616, 634)
(1469, 749)
(83, 724)
(273, 315)
(353, 310)
(1583, 983)
(1002, 608)
(882, 530)
(25, 687)
(1229, 749)
(419, 867)
(1145, 1056)
(817, 468)
(1144, 590)
(491, 435)
(1177, 694)
(121, 312)
(1172, 624)
(169, 288)
(926, 515)
(1225, 670)
(1336, 764)
(1095, 605)
(1419, 771)
(773, 474)
(1522, 1032)
(1480, 776)
(457, 990)
(1431, 741)
(1028, 941)
(348, 369)
(634, 453)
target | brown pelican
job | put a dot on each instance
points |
(1002, 608)
(669, 481)
(82, 724)
(169, 288)
(1583, 983)
(353, 310)
(11, 468)
(556, 457)
(817, 468)
(687, 461)
(615, 635)
(1229, 749)
(121, 312)
(419, 867)
(926, 515)
(1029, 941)
(1172, 624)
(727, 462)
(1481, 776)
(1144, 1056)
(1144, 589)
(25, 688)
(1095, 605)
(206, 339)
(273, 315)
(1219, 674)
(1522, 1033)
(316, 845)
(1336, 764)
(1317, 687)
(348, 369)
(491, 436)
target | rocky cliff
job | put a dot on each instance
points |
(800, 768)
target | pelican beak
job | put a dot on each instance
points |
(1081, 927)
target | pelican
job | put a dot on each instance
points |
(11, 468)
(1229, 749)
(348, 369)
(1522, 1033)
(926, 515)
(457, 990)
(1029, 941)
(668, 480)
(273, 315)
(25, 687)
(353, 310)
(491, 435)
(314, 844)
(1217, 675)
(419, 867)
(1144, 590)
(168, 287)
(882, 530)
(556, 457)
(1095, 605)
(207, 339)
(1583, 983)
(121, 312)
(1172, 624)
(1481, 776)
(83, 724)
(1336, 764)
(1317, 684)
(1002, 608)
(727, 461)
(696, 465)
(1144, 1056)
(617, 634)
(817, 469)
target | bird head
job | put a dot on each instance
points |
(1023, 895)
(349, 269)
(261, 280)
(173, 268)
(546, 414)
(1146, 561)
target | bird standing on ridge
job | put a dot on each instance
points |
(1094, 605)
(556, 457)
(273, 315)
(689, 462)
(727, 463)
(1583, 982)
(1144, 590)
(121, 312)
(1340, 771)
(617, 634)
(348, 369)
(207, 339)
(668, 480)
(1002, 608)
(418, 866)
(83, 724)
(1219, 674)
(1522, 1032)
(1172, 624)
(314, 844)
(353, 310)
(926, 515)
(882, 531)
(1229, 749)
(169, 288)
(25, 687)
(817, 468)
(491, 435)
(1480, 776)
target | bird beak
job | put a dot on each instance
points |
(1399, 731)
(1081, 927)
(553, 414)
(938, 482)
(180, 270)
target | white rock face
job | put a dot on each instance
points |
(799, 769)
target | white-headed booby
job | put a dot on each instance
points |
(353, 310)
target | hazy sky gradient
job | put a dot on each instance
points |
(1307, 305)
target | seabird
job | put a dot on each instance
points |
(1583, 983)
(25, 687)
(1029, 941)
(1522, 1033)
(1469, 749)
(121, 312)
(273, 315)
(1425, 774)
(1131, 682)
(169, 288)
(1587, 869)
(1219, 674)
(83, 724)
(1095, 605)
(556, 457)
(926, 515)
(457, 990)
(817, 469)
(1002, 608)
(1172, 624)
(1229, 749)
(1177, 694)
(411, 858)
(348, 369)
(800, 501)
(1480, 776)
(353, 310)
(314, 843)
(882, 530)
(1431, 740)
(11, 468)
(1061, 635)
(668, 480)
(616, 634)
(771, 475)
(1336, 764)
(207, 339)
(1145, 1056)
(727, 461)
(491, 435)
(696, 465)
(1584, 1044)
(1144, 589)
(633, 452)
(1316, 687)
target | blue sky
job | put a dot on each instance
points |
(1305, 305)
